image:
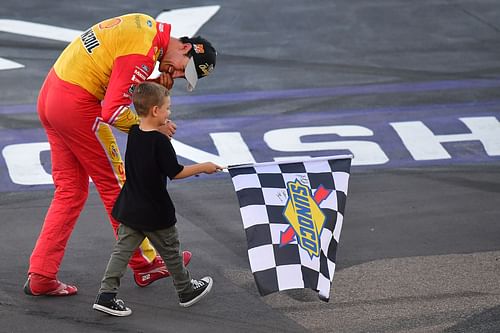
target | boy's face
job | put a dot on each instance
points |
(164, 111)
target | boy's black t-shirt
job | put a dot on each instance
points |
(144, 203)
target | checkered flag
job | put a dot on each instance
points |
(292, 214)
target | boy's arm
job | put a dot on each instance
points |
(195, 169)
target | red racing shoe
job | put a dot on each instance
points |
(156, 270)
(39, 285)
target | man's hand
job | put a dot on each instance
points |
(165, 79)
(168, 129)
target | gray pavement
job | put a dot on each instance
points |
(420, 245)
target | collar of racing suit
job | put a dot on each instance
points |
(162, 38)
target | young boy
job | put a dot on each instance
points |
(144, 207)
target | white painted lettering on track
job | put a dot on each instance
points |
(25, 167)
(425, 145)
(365, 152)
(24, 164)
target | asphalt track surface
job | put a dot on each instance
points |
(420, 244)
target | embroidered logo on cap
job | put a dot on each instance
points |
(198, 48)
(206, 68)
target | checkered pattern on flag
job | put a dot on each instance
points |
(292, 214)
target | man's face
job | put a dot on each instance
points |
(175, 60)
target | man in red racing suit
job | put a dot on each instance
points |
(88, 89)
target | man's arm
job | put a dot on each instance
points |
(128, 71)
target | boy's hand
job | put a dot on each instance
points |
(209, 167)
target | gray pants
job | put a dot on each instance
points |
(165, 241)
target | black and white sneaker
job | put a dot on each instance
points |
(109, 304)
(200, 289)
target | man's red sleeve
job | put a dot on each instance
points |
(128, 71)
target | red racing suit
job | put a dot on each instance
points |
(88, 89)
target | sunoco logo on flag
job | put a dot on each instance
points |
(305, 217)
(292, 214)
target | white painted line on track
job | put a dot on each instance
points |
(8, 64)
(38, 30)
(184, 21)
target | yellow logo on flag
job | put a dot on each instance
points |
(305, 217)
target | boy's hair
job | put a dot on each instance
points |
(146, 95)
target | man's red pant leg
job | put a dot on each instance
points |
(68, 114)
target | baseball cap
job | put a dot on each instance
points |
(201, 61)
